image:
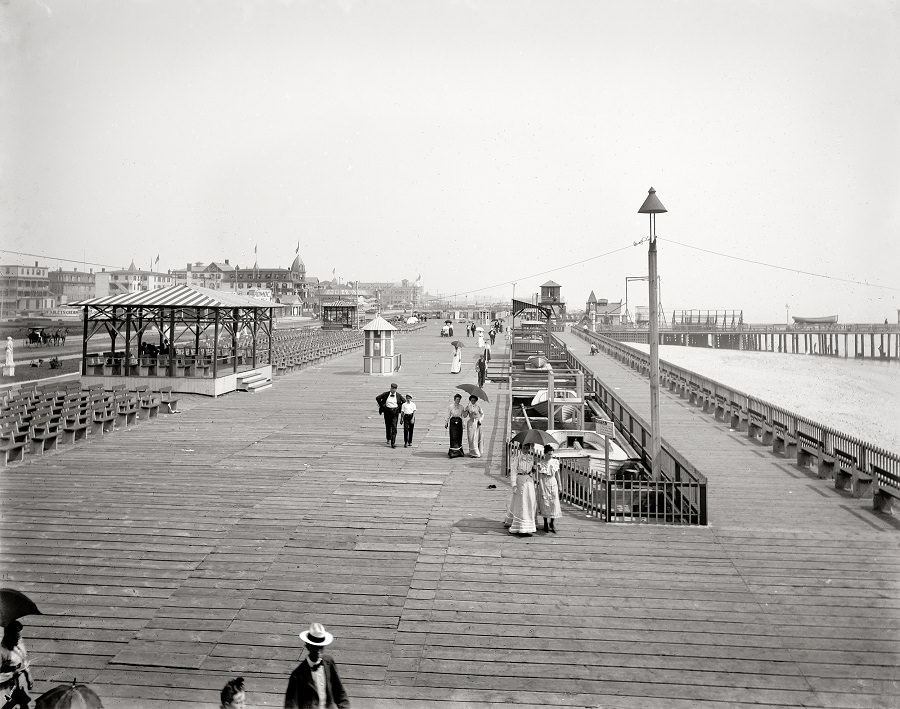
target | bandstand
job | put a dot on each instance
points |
(195, 340)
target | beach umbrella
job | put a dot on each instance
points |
(69, 696)
(474, 389)
(410, 321)
(534, 436)
(15, 604)
(457, 343)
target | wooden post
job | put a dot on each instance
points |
(84, 343)
(234, 329)
(255, 328)
(172, 342)
(215, 367)
(126, 365)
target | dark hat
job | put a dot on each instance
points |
(393, 386)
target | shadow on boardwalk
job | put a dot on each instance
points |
(176, 555)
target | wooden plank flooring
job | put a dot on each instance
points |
(173, 556)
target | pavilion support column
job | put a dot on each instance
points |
(215, 368)
(172, 342)
(271, 332)
(255, 329)
(234, 342)
(84, 343)
(126, 365)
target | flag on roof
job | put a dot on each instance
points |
(298, 249)
(157, 259)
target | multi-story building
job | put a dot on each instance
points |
(393, 295)
(130, 280)
(71, 286)
(283, 282)
(203, 275)
(602, 313)
(24, 289)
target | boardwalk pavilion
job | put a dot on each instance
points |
(193, 339)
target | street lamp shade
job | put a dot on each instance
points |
(652, 205)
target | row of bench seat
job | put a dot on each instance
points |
(843, 466)
(34, 420)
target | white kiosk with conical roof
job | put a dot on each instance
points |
(378, 355)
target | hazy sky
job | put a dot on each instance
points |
(473, 142)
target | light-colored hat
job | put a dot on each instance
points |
(317, 635)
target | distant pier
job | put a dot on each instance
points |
(859, 341)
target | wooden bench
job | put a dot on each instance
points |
(104, 419)
(887, 488)
(149, 406)
(848, 476)
(168, 399)
(127, 411)
(783, 442)
(12, 451)
(809, 448)
(44, 435)
(74, 427)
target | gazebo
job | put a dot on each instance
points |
(205, 339)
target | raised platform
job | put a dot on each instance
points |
(208, 386)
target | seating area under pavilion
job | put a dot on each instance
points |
(195, 340)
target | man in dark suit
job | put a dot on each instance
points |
(316, 676)
(389, 403)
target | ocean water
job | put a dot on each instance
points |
(855, 396)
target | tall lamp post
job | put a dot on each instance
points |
(653, 206)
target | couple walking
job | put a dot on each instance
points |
(473, 415)
(535, 481)
(394, 406)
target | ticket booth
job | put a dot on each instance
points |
(379, 356)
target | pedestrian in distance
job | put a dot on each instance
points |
(232, 695)
(547, 491)
(454, 426)
(408, 417)
(456, 362)
(481, 369)
(315, 684)
(389, 403)
(474, 415)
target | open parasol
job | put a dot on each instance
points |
(15, 604)
(535, 437)
(474, 389)
(457, 343)
(69, 696)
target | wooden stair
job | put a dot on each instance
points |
(253, 382)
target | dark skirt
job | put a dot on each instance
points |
(456, 437)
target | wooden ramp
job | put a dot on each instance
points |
(190, 549)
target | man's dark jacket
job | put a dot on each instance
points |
(301, 690)
(382, 399)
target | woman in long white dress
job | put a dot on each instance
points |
(474, 416)
(523, 505)
(456, 364)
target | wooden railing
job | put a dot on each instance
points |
(854, 463)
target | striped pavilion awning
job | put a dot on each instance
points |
(181, 296)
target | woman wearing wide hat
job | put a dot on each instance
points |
(316, 676)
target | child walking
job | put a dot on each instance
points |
(408, 414)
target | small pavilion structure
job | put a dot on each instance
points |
(340, 314)
(195, 340)
(378, 354)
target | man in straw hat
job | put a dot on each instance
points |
(315, 684)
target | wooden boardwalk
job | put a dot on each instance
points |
(191, 549)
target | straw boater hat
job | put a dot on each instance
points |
(316, 635)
